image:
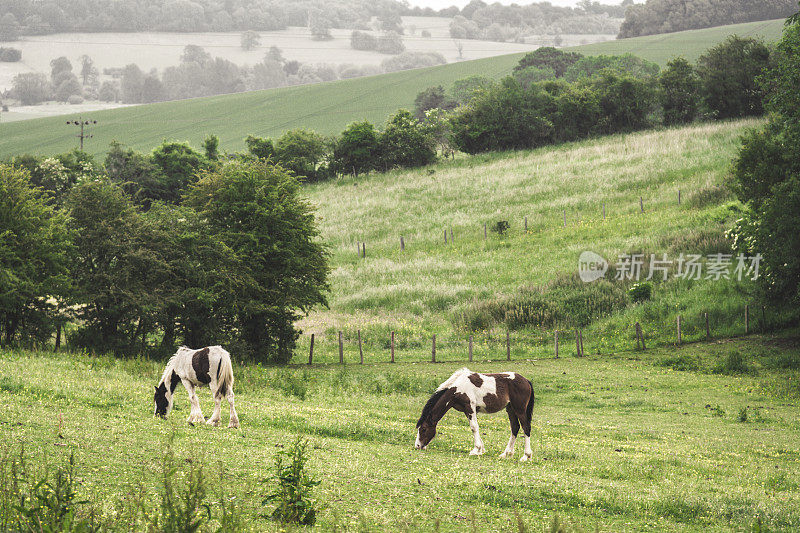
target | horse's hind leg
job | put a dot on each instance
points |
(525, 420)
(234, 423)
(514, 421)
(217, 414)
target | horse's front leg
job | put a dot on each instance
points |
(476, 434)
(196, 414)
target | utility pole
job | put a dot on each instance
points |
(82, 123)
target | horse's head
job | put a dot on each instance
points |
(163, 401)
(425, 433)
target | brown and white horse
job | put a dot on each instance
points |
(473, 393)
(210, 367)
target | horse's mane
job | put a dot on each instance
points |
(426, 411)
(457, 374)
(171, 363)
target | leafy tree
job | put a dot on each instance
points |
(10, 55)
(68, 87)
(548, 57)
(35, 244)
(87, 68)
(464, 90)
(152, 89)
(211, 147)
(109, 92)
(302, 152)
(506, 117)
(360, 40)
(250, 40)
(766, 176)
(107, 270)
(626, 103)
(31, 88)
(275, 54)
(180, 165)
(260, 147)
(679, 92)
(728, 75)
(530, 75)
(320, 29)
(390, 43)
(405, 143)
(57, 175)
(256, 210)
(57, 66)
(592, 66)
(9, 27)
(431, 98)
(577, 113)
(354, 152)
(132, 84)
(136, 174)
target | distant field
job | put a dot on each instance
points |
(326, 108)
(160, 50)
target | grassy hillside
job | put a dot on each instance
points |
(433, 287)
(326, 108)
(690, 44)
(618, 444)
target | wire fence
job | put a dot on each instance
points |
(355, 347)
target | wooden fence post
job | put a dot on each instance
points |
(58, 337)
(433, 349)
(445, 236)
(341, 349)
(526, 223)
(484, 230)
(556, 336)
(470, 348)
(508, 346)
(679, 329)
(363, 250)
(358, 249)
(763, 319)
(451, 235)
(311, 350)
(577, 343)
(392, 348)
(565, 218)
(580, 333)
(746, 319)
(360, 349)
(679, 197)
(708, 330)
(641, 204)
(402, 244)
(604, 210)
(640, 337)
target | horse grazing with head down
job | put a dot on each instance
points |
(210, 367)
(473, 393)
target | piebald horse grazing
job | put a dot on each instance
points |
(473, 393)
(197, 368)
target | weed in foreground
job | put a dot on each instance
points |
(293, 495)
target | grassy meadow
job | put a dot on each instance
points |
(621, 443)
(326, 108)
(450, 289)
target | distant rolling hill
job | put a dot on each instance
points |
(326, 107)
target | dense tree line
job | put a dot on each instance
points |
(229, 255)
(664, 16)
(31, 17)
(555, 96)
(766, 175)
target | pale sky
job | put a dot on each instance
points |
(440, 4)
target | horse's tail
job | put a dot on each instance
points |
(225, 375)
(529, 409)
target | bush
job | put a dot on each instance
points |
(293, 494)
(679, 92)
(390, 43)
(682, 363)
(548, 57)
(75, 99)
(593, 66)
(626, 103)
(303, 152)
(640, 292)
(500, 227)
(728, 75)
(405, 143)
(733, 364)
(10, 55)
(360, 40)
(409, 60)
(354, 150)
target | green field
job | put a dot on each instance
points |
(426, 288)
(326, 108)
(620, 443)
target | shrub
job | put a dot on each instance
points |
(549, 57)
(184, 509)
(293, 494)
(500, 227)
(733, 364)
(405, 143)
(743, 414)
(360, 40)
(640, 292)
(354, 150)
(728, 75)
(75, 99)
(679, 89)
(10, 55)
(390, 43)
(682, 362)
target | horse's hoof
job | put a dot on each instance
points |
(476, 451)
(524, 458)
(234, 425)
(506, 454)
(213, 423)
